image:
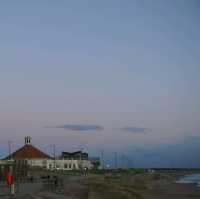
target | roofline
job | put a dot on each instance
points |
(11, 155)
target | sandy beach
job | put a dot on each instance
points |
(141, 186)
(114, 186)
(168, 189)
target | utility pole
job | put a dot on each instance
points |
(115, 160)
(53, 147)
(81, 148)
(123, 161)
(54, 156)
(102, 158)
(129, 162)
(10, 148)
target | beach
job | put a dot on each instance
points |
(133, 186)
(114, 185)
(168, 189)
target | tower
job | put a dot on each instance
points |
(27, 140)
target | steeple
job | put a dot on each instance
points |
(27, 140)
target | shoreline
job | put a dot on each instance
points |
(169, 188)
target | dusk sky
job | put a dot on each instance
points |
(117, 75)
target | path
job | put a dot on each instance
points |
(30, 191)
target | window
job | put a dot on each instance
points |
(74, 166)
(65, 166)
(44, 162)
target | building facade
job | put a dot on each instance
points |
(29, 156)
(70, 161)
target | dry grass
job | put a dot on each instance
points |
(126, 186)
(76, 190)
(99, 188)
(109, 190)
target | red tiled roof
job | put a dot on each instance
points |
(28, 152)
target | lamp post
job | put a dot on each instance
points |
(10, 148)
(53, 147)
(115, 160)
(102, 158)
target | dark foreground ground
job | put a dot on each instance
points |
(120, 185)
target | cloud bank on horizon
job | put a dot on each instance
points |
(180, 155)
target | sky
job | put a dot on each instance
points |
(111, 75)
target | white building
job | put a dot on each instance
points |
(30, 156)
(70, 161)
(63, 164)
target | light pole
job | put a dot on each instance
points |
(115, 160)
(10, 149)
(102, 158)
(54, 156)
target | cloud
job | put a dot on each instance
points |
(136, 129)
(80, 127)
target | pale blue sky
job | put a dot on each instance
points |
(116, 64)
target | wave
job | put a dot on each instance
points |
(190, 179)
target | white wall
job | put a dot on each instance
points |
(69, 164)
(37, 162)
(60, 164)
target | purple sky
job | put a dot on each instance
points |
(130, 68)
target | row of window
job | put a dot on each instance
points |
(70, 166)
(66, 166)
(23, 162)
(75, 158)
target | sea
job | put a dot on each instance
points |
(190, 179)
